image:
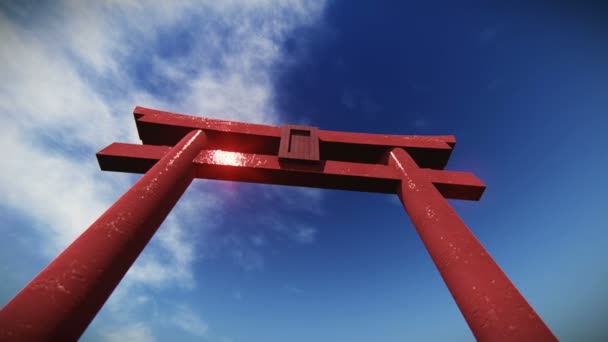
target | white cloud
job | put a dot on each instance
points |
(296, 198)
(246, 257)
(61, 194)
(293, 289)
(70, 81)
(278, 222)
(258, 240)
(304, 234)
(189, 321)
(135, 332)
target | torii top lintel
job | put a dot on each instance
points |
(290, 155)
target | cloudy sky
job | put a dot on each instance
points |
(524, 89)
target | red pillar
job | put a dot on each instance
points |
(60, 302)
(492, 306)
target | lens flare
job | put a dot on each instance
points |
(219, 157)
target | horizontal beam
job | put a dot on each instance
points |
(131, 158)
(457, 184)
(258, 168)
(233, 166)
(165, 128)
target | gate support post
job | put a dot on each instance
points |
(491, 305)
(61, 301)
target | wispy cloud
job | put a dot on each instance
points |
(293, 289)
(358, 100)
(296, 198)
(189, 321)
(249, 259)
(69, 84)
(134, 332)
(304, 234)
(258, 240)
(287, 226)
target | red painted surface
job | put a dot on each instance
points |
(258, 168)
(60, 302)
(492, 306)
(165, 128)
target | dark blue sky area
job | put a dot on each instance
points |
(525, 91)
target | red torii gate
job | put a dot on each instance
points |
(60, 302)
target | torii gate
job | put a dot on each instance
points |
(60, 302)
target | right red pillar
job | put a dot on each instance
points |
(492, 306)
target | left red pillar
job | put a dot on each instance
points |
(61, 301)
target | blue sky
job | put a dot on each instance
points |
(523, 88)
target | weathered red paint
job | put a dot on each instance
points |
(60, 302)
(165, 128)
(492, 306)
(257, 168)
